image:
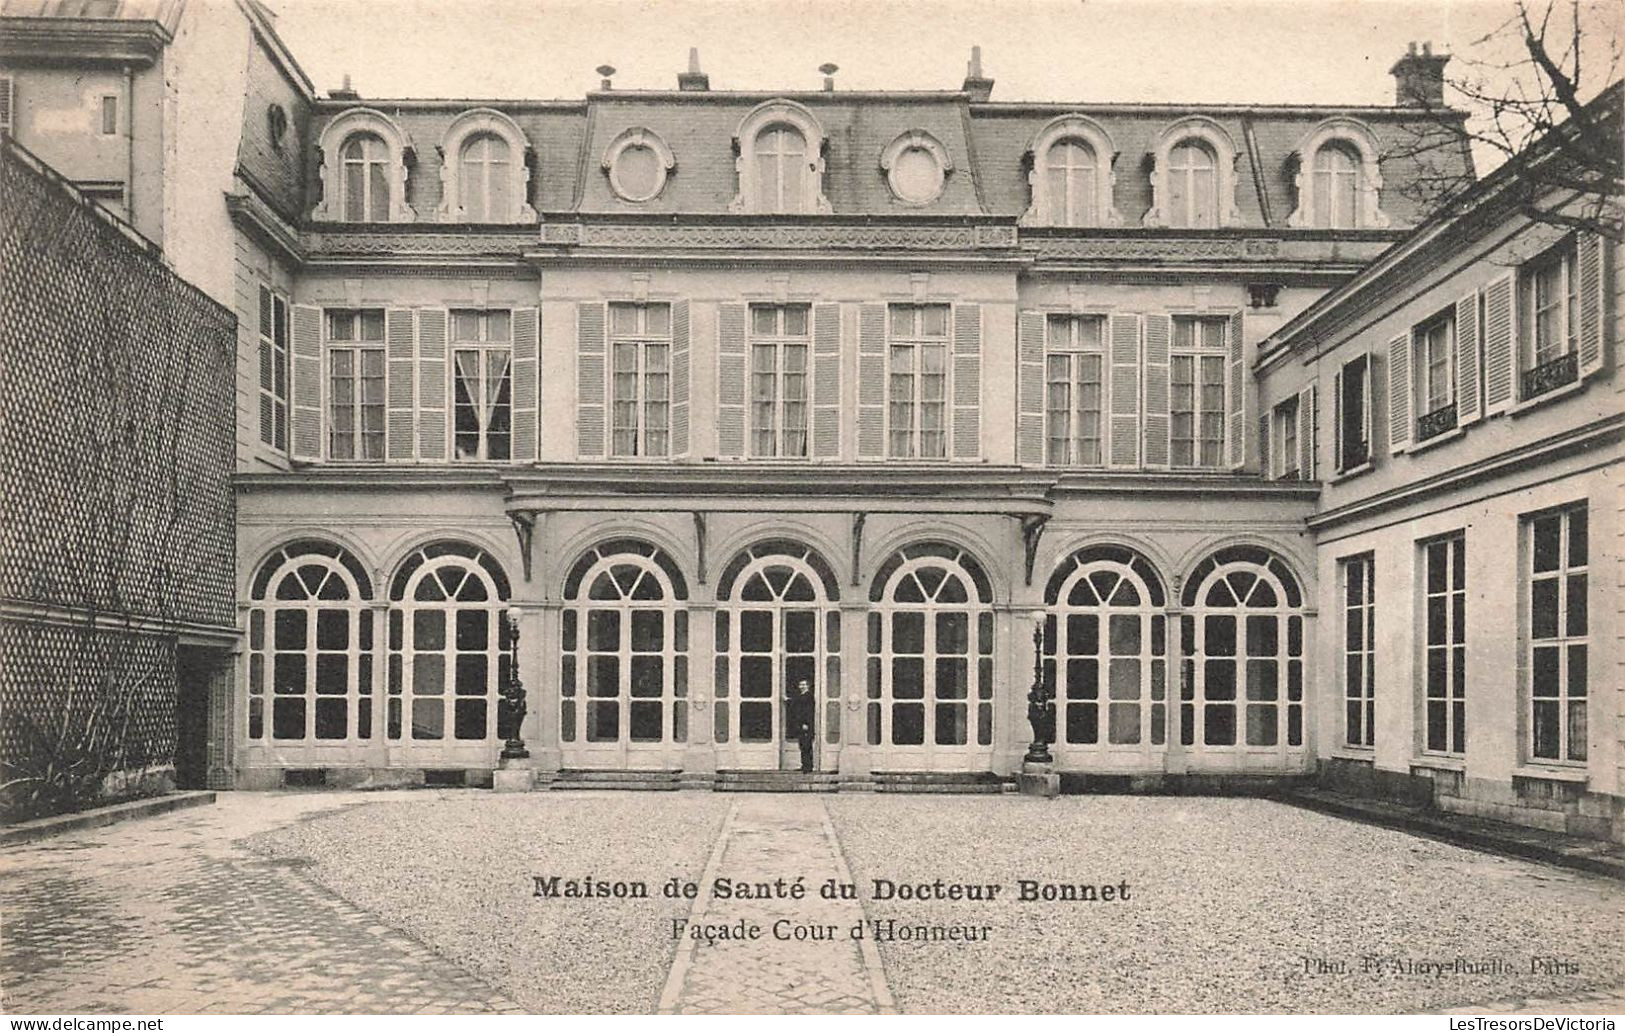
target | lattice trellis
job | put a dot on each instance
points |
(117, 420)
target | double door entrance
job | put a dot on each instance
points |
(766, 653)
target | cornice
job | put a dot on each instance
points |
(82, 39)
(251, 214)
(576, 236)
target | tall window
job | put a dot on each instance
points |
(1558, 673)
(273, 369)
(1074, 394)
(310, 646)
(1193, 190)
(1354, 414)
(781, 169)
(778, 375)
(1069, 171)
(624, 673)
(1105, 649)
(1359, 650)
(1549, 319)
(482, 392)
(1286, 433)
(640, 343)
(1337, 187)
(930, 679)
(1444, 563)
(447, 648)
(917, 400)
(1196, 379)
(1434, 344)
(1241, 681)
(365, 182)
(355, 384)
(484, 178)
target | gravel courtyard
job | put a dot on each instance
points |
(1228, 899)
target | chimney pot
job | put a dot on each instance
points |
(1419, 77)
(979, 86)
(606, 71)
(345, 92)
(829, 69)
(693, 80)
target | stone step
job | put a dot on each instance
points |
(776, 787)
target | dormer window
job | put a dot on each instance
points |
(781, 165)
(916, 166)
(1338, 178)
(365, 183)
(483, 175)
(638, 163)
(1071, 177)
(1193, 178)
(364, 157)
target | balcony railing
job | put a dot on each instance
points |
(1355, 454)
(1549, 376)
(1436, 422)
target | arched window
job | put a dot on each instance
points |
(1339, 177)
(365, 178)
(624, 669)
(930, 678)
(1242, 639)
(1105, 650)
(1337, 187)
(777, 624)
(1192, 184)
(310, 646)
(485, 177)
(781, 170)
(1070, 171)
(447, 645)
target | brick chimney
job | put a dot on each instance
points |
(1419, 78)
(693, 80)
(976, 84)
(345, 92)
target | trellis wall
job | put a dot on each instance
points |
(117, 433)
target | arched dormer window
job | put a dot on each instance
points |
(781, 163)
(483, 175)
(637, 163)
(916, 167)
(363, 169)
(1193, 178)
(1339, 180)
(1071, 179)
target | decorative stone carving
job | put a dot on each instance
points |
(624, 149)
(910, 178)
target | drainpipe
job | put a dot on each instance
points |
(129, 143)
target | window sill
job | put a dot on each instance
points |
(1552, 774)
(1439, 763)
(1530, 404)
(1363, 754)
(1351, 473)
(1416, 447)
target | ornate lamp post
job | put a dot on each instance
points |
(1040, 705)
(511, 704)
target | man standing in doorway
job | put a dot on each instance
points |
(799, 712)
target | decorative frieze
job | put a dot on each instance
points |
(779, 236)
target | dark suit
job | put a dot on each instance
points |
(798, 712)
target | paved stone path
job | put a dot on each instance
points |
(169, 915)
(766, 837)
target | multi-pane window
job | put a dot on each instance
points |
(365, 179)
(779, 347)
(1286, 434)
(1193, 191)
(1359, 650)
(1354, 414)
(1196, 378)
(1444, 562)
(273, 369)
(1069, 172)
(1435, 364)
(1551, 306)
(1558, 626)
(640, 347)
(1337, 187)
(781, 169)
(355, 384)
(917, 386)
(1074, 394)
(447, 657)
(482, 389)
(484, 178)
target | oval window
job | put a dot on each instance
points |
(638, 173)
(915, 176)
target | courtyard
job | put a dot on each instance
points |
(434, 901)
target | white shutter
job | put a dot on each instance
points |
(8, 102)
(1124, 349)
(1467, 374)
(1368, 415)
(1030, 389)
(731, 362)
(871, 381)
(1237, 422)
(306, 436)
(1337, 421)
(1500, 345)
(826, 381)
(967, 381)
(1264, 446)
(1306, 433)
(1399, 393)
(400, 362)
(681, 378)
(432, 384)
(1590, 251)
(526, 350)
(1158, 327)
(590, 360)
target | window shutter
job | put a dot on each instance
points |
(1399, 393)
(306, 438)
(1125, 362)
(590, 378)
(1237, 422)
(1337, 421)
(826, 391)
(731, 357)
(1306, 433)
(967, 381)
(1500, 346)
(1588, 263)
(871, 381)
(681, 378)
(526, 347)
(400, 339)
(1264, 446)
(1368, 415)
(8, 102)
(1467, 407)
(432, 384)
(1158, 327)
(1030, 389)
